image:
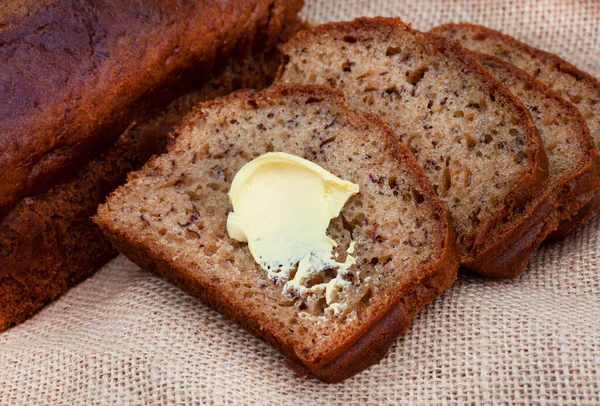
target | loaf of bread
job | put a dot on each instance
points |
(74, 75)
(170, 218)
(48, 242)
(572, 84)
(475, 141)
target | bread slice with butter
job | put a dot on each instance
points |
(475, 141)
(392, 236)
(571, 83)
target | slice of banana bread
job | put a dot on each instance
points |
(171, 217)
(573, 160)
(574, 85)
(475, 141)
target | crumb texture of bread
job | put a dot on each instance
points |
(171, 216)
(73, 76)
(474, 140)
(572, 84)
(48, 242)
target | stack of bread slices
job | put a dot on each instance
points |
(467, 155)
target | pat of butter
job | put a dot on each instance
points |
(282, 206)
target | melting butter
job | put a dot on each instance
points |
(282, 206)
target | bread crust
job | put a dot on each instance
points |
(48, 243)
(510, 254)
(583, 186)
(73, 77)
(531, 184)
(581, 200)
(368, 345)
(586, 212)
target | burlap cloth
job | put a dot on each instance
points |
(126, 337)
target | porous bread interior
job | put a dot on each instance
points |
(558, 123)
(178, 205)
(463, 132)
(584, 94)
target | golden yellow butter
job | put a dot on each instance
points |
(282, 206)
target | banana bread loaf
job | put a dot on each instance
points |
(73, 74)
(48, 242)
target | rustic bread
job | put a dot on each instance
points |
(170, 218)
(73, 76)
(572, 84)
(475, 141)
(48, 242)
(573, 160)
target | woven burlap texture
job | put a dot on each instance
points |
(126, 337)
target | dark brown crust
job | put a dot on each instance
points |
(373, 340)
(528, 186)
(48, 243)
(579, 188)
(582, 203)
(74, 76)
(586, 212)
(509, 255)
